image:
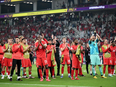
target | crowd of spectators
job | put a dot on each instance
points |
(71, 25)
(83, 3)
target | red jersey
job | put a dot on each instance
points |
(104, 49)
(40, 52)
(1, 51)
(65, 51)
(17, 52)
(50, 52)
(113, 51)
(74, 47)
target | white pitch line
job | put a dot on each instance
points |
(44, 85)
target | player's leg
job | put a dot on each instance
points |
(63, 64)
(112, 69)
(62, 71)
(30, 69)
(72, 73)
(40, 73)
(4, 66)
(76, 74)
(18, 70)
(104, 70)
(3, 72)
(80, 70)
(90, 69)
(24, 71)
(52, 68)
(68, 66)
(93, 62)
(13, 68)
(87, 67)
(9, 67)
(68, 70)
(47, 73)
(109, 71)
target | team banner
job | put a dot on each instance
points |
(57, 11)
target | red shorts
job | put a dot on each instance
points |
(41, 62)
(107, 61)
(66, 59)
(26, 63)
(50, 63)
(7, 62)
(75, 63)
(113, 61)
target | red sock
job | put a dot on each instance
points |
(80, 71)
(109, 70)
(3, 72)
(40, 73)
(29, 73)
(8, 72)
(112, 71)
(25, 74)
(47, 73)
(76, 73)
(52, 71)
(104, 69)
(72, 73)
(68, 69)
(62, 70)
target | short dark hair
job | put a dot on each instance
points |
(49, 39)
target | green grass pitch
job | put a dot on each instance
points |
(87, 81)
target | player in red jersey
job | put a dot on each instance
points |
(75, 61)
(51, 62)
(113, 55)
(26, 61)
(17, 57)
(106, 58)
(65, 47)
(40, 48)
(7, 57)
(1, 54)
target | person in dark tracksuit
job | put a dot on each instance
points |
(87, 57)
(57, 57)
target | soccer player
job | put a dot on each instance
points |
(49, 50)
(75, 61)
(113, 55)
(26, 61)
(106, 58)
(40, 48)
(94, 55)
(7, 57)
(81, 63)
(1, 54)
(65, 47)
(17, 56)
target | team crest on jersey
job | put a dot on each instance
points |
(40, 47)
